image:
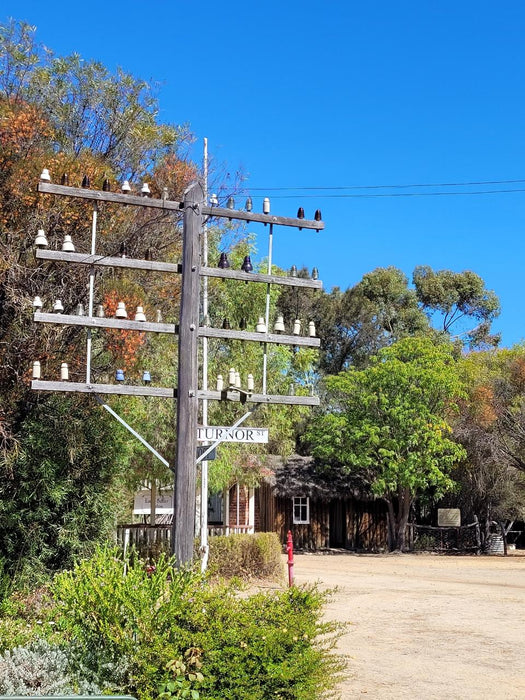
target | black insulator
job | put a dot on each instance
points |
(224, 263)
(247, 264)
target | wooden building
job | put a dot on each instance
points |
(322, 511)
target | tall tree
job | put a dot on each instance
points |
(58, 491)
(71, 116)
(467, 308)
(389, 424)
(490, 426)
(355, 324)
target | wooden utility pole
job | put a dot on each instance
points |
(188, 378)
(187, 392)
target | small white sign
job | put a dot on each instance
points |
(163, 506)
(449, 517)
(212, 433)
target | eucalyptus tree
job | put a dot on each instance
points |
(460, 301)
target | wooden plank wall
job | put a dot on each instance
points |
(363, 524)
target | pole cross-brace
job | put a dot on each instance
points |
(131, 430)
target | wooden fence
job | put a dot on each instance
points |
(158, 537)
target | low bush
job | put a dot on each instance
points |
(269, 645)
(246, 556)
(120, 619)
(23, 616)
(40, 668)
(169, 633)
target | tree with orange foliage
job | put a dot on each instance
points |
(491, 427)
(75, 117)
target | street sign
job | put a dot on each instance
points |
(212, 433)
(211, 455)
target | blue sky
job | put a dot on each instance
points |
(342, 94)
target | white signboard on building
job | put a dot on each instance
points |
(212, 433)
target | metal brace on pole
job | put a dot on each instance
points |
(218, 442)
(133, 432)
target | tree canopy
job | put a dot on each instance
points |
(389, 423)
(73, 117)
(460, 298)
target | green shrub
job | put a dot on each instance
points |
(171, 634)
(425, 543)
(23, 616)
(57, 496)
(269, 645)
(246, 556)
(114, 610)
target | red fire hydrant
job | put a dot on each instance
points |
(289, 549)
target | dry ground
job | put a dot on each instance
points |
(426, 627)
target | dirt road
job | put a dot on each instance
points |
(426, 627)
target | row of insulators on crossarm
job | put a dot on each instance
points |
(69, 247)
(120, 312)
(224, 264)
(140, 316)
(234, 377)
(146, 192)
(230, 204)
(64, 373)
(234, 381)
(278, 326)
(106, 186)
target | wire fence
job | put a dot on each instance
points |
(427, 538)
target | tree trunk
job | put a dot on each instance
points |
(398, 512)
(478, 535)
(392, 540)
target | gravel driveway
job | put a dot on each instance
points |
(424, 626)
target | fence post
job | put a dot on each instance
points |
(289, 549)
